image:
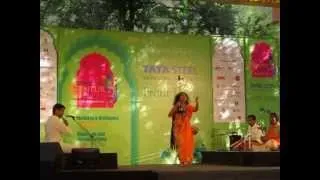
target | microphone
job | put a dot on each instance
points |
(71, 116)
(181, 108)
(65, 121)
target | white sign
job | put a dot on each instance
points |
(228, 82)
(48, 75)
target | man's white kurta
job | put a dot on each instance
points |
(54, 129)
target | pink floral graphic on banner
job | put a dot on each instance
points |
(261, 60)
(95, 83)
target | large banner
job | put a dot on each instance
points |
(121, 86)
(256, 61)
(262, 78)
(48, 76)
(228, 82)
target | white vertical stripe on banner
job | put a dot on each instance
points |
(228, 82)
(48, 75)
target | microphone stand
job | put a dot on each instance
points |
(86, 130)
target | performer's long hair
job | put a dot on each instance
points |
(176, 99)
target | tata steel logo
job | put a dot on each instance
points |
(162, 69)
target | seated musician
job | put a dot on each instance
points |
(253, 139)
(254, 132)
(272, 138)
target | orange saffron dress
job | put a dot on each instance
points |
(183, 135)
(273, 134)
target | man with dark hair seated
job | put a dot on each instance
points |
(56, 126)
(253, 139)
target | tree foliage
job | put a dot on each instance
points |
(255, 22)
(169, 16)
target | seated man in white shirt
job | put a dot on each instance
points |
(253, 139)
(56, 126)
(254, 135)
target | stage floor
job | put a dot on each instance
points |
(194, 172)
(196, 167)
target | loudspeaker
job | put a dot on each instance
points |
(90, 159)
(85, 158)
(50, 159)
(108, 161)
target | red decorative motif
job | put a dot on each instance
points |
(261, 60)
(95, 83)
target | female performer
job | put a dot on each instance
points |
(182, 130)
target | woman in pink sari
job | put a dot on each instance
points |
(182, 130)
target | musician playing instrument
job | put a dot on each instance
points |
(272, 138)
(253, 139)
(256, 141)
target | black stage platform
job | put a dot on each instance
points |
(175, 172)
(215, 165)
(241, 158)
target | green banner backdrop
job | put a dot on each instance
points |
(262, 78)
(143, 73)
(120, 86)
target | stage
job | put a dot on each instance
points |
(214, 165)
(92, 165)
(175, 172)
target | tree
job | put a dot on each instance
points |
(252, 21)
(216, 18)
(171, 16)
(92, 14)
(196, 17)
